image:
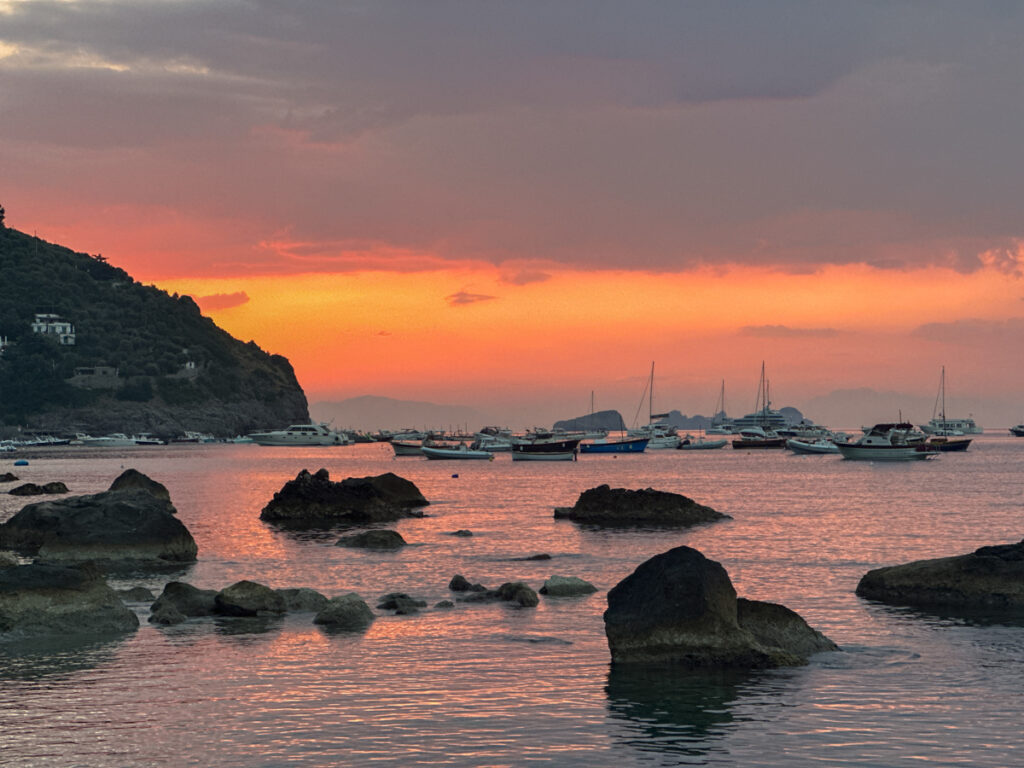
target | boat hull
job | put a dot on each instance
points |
(769, 442)
(543, 455)
(618, 446)
(406, 449)
(462, 454)
(887, 452)
(701, 445)
(815, 448)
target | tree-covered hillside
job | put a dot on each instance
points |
(175, 369)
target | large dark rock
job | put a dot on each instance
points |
(32, 489)
(132, 478)
(681, 608)
(989, 577)
(7, 477)
(620, 506)
(315, 498)
(347, 612)
(378, 538)
(248, 598)
(42, 599)
(112, 527)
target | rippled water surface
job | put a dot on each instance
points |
(491, 685)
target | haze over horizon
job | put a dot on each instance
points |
(508, 206)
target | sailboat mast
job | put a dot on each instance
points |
(942, 386)
(650, 397)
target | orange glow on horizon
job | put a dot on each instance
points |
(397, 334)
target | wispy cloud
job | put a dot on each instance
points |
(525, 277)
(218, 301)
(785, 332)
(461, 298)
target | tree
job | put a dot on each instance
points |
(1, 217)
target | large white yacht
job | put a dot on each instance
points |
(301, 434)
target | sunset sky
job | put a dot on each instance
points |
(510, 205)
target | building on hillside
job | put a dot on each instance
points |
(55, 325)
(96, 377)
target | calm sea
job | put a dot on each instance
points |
(491, 685)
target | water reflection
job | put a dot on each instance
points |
(951, 615)
(672, 710)
(64, 656)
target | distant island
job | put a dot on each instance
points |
(86, 348)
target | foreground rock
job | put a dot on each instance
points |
(112, 527)
(681, 608)
(31, 489)
(40, 600)
(347, 612)
(379, 538)
(516, 592)
(7, 477)
(132, 478)
(314, 498)
(989, 577)
(302, 599)
(184, 600)
(620, 506)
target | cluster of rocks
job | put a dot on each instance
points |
(607, 506)
(314, 499)
(132, 522)
(32, 489)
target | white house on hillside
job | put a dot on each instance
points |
(55, 325)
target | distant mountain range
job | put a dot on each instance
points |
(371, 413)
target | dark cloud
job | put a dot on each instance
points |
(463, 297)
(970, 332)
(785, 332)
(217, 301)
(646, 135)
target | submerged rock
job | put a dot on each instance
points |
(619, 506)
(42, 599)
(460, 583)
(315, 498)
(132, 478)
(519, 593)
(248, 598)
(401, 603)
(681, 608)
(380, 538)
(112, 527)
(302, 599)
(31, 489)
(187, 600)
(136, 595)
(989, 577)
(347, 612)
(7, 477)
(567, 586)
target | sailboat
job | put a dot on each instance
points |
(658, 435)
(757, 429)
(942, 429)
(719, 425)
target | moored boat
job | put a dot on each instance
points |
(689, 443)
(626, 445)
(301, 435)
(403, 448)
(757, 429)
(819, 445)
(888, 442)
(756, 437)
(551, 450)
(460, 451)
(1017, 431)
(949, 444)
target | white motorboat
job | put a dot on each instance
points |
(460, 451)
(818, 445)
(690, 443)
(889, 442)
(301, 434)
(148, 439)
(114, 440)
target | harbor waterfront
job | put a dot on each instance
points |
(488, 684)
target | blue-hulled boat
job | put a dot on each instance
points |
(628, 445)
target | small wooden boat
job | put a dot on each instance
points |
(889, 442)
(547, 450)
